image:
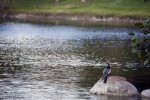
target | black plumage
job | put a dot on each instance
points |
(106, 73)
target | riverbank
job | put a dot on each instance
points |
(93, 10)
(114, 8)
(71, 17)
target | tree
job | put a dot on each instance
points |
(84, 1)
(56, 1)
(3, 5)
(141, 45)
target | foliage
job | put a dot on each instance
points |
(141, 45)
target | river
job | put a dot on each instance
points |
(58, 61)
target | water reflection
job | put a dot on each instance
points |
(63, 62)
(103, 97)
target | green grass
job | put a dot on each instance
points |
(119, 8)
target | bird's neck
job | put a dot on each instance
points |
(108, 67)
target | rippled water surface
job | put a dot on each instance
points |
(47, 61)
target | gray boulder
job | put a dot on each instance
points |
(146, 93)
(115, 86)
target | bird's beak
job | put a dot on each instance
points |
(108, 63)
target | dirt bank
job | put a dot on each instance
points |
(73, 17)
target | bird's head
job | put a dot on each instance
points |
(108, 64)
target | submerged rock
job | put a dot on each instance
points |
(115, 86)
(146, 93)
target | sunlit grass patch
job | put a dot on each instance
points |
(120, 8)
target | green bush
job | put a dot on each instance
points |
(141, 45)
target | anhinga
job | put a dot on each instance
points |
(106, 73)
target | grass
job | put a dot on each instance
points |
(119, 8)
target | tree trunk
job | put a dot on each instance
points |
(56, 1)
(3, 5)
(83, 1)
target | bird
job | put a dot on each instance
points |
(106, 73)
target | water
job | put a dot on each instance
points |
(57, 62)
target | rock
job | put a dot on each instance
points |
(115, 86)
(146, 93)
(116, 78)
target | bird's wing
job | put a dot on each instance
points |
(104, 71)
(109, 71)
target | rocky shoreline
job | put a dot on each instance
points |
(71, 17)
